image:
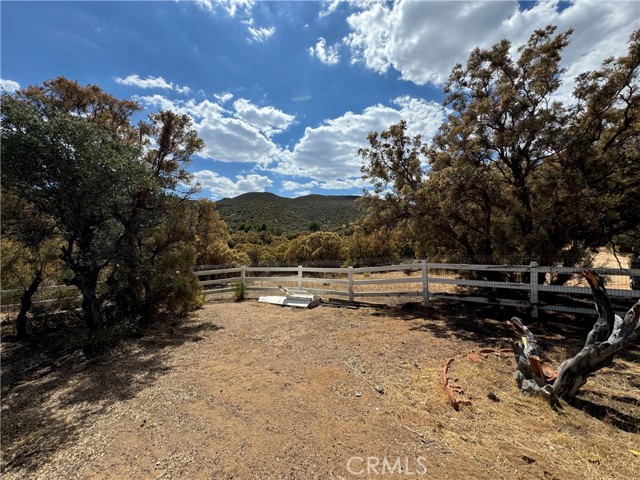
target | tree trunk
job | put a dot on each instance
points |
(85, 277)
(87, 282)
(91, 309)
(610, 334)
(25, 304)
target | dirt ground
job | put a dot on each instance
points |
(250, 390)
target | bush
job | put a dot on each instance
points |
(315, 247)
(173, 286)
(239, 291)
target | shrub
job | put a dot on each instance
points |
(239, 291)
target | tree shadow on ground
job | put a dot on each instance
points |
(608, 413)
(51, 391)
(561, 335)
(486, 325)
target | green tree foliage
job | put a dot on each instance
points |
(61, 164)
(258, 248)
(513, 171)
(380, 243)
(315, 247)
(314, 226)
(114, 192)
(154, 219)
(394, 165)
(30, 249)
(212, 237)
(169, 254)
(604, 151)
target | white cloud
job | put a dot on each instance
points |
(326, 156)
(260, 35)
(232, 140)
(290, 186)
(327, 55)
(241, 9)
(301, 97)
(242, 135)
(152, 82)
(206, 4)
(269, 120)
(220, 186)
(424, 40)
(328, 153)
(330, 7)
(9, 86)
(158, 101)
(232, 7)
(149, 82)
(344, 184)
(223, 97)
(301, 193)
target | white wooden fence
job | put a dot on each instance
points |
(426, 281)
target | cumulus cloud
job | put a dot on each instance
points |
(231, 7)
(241, 9)
(223, 97)
(343, 184)
(296, 189)
(327, 55)
(149, 82)
(301, 193)
(134, 80)
(260, 35)
(221, 187)
(242, 135)
(326, 157)
(290, 186)
(329, 7)
(328, 153)
(232, 140)
(269, 120)
(9, 86)
(424, 40)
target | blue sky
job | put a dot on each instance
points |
(284, 93)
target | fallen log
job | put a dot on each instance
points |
(610, 335)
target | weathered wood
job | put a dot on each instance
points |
(610, 335)
(431, 276)
(530, 373)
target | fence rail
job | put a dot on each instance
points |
(419, 279)
(428, 281)
(59, 296)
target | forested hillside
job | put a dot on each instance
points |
(288, 215)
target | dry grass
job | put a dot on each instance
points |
(248, 390)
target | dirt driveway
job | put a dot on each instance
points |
(249, 390)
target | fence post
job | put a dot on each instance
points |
(242, 276)
(425, 283)
(533, 296)
(299, 276)
(350, 276)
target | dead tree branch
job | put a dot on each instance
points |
(610, 335)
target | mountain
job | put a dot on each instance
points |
(290, 215)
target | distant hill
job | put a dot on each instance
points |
(290, 215)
